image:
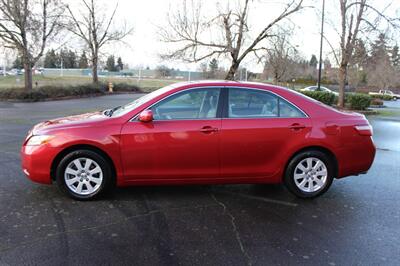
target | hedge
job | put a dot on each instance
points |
(355, 101)
(384, 97)
(358, 101)
(50, 92)
(324, 97)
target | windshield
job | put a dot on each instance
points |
(124, 109)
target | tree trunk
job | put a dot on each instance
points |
(95, 77)
(342, 83)
(28, 75)
(232, 70)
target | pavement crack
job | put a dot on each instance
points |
(234, 227)
(268, 200)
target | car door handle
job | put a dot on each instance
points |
(208, 129)
(296, 126)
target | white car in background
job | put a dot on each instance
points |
(323, 89)
(386, 92)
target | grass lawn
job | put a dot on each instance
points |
(389, 113)
(18, 81)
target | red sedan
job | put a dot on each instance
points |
(202, 133)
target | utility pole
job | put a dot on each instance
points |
(62, 62)
(140, 75)
(4, 66)
(320, 49)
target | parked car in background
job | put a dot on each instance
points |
(210, 132)
(323, 89)
(389, 93)
(14, 72)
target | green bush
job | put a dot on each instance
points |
(382, 97)
(358, 101)
(125, 87)
(324, 97)
(50, 92)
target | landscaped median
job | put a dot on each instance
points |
(353, 101)
(46, 93)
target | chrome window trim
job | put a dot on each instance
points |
(268, 91)
(134, 119)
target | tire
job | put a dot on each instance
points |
(309, 182)
(394, 98)
(84, 175)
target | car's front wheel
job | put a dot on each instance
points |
(84, 175)
(309, 174)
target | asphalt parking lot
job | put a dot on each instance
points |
(356, 223)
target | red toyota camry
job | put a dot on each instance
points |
(202, 133)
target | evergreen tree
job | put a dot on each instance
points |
(379, 49)
(313, 61)
(360, 56)
(68, 58)
(71, 59)
(50, 59)
(213, 68)
(110, 64)
(395, 56)
(120, 65)
(83, 61)
(327, 64)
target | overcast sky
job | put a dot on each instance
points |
(146, 15)
(144, 46)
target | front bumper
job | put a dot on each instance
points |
(36, 162)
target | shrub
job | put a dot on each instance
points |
(324, 97)
(50, 92)
(358, 101)
(125, 87)
(376, 102)
(382, 97)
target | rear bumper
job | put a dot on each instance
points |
(356, 158)
(36, 162)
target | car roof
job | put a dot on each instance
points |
(225, 83)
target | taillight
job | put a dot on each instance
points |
(364, 130)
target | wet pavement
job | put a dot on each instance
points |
(357, 222)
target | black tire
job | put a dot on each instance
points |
(394, 98)
(108, 180)
(289, 179)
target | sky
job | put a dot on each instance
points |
(142, 48)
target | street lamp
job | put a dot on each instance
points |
(320, 48)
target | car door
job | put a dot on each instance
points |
(181, 142)
(257, 128)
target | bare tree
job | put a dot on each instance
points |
(27, 26)
(190, 32)
(356, 17)
(280, 56)
(93, 27)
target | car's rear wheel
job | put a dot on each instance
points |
(309, 174)
(84, 175)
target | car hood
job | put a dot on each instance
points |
(70, 121)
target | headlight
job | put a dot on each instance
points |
(39, 140)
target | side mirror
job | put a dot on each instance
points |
(146, 116)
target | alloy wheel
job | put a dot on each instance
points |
(83, 176)
(310, 175)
